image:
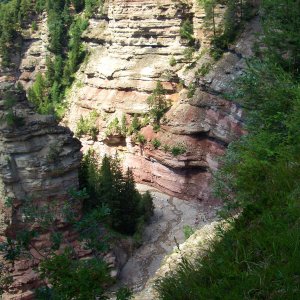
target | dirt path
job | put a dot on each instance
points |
(162, 234)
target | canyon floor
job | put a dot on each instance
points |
(162, 235)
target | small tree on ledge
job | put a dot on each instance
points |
(158, 103)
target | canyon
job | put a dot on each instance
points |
(131, 46)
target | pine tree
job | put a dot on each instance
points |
(158, 103)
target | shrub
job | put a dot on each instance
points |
(115, 128)
(141, 138)
(156, 143)
(191, 90)
(178, 150)
(156, 127)
(124, 293)
(188, 53)
(88, 126)
(187, 31)
(75, 279)
(54, 152)
(172, 61)
(147, 207)
(204, 69)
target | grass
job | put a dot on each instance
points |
(258, 258)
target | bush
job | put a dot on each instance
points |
(115, 128)
(204, 69)
(178, 150)
(75, 279)
(191, 90)
(141, 139)
(188, 53)
(156, 143)
(87, 126)
(166, 148)
(187, 31)
(34, 26)
(172, 61)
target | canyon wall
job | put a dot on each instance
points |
(133, 45)
(39, 161)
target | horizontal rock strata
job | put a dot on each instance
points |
(39, 161)
(131, 46)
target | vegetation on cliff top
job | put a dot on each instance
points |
(258, 257)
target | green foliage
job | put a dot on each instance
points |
(258, 256)
(140, 138)
(10, 116)
(146, 206)
(187, 31)
(156, 143)
(12, 14)
(236, 13)
(158, 103)
(91, 6)
(78, 4)
(204, 69)
(124, 293)
(188, 231)
(172, 61)
(64, 270)
(115, 128)
(156, 128)
(188, 53)
(191, 90)
(5, 278)
(75, 279)
(34, 26)
(88, 126)
(178, 149)
(135, 125)
(107, 185)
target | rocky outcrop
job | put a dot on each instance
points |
(193, 248)
(38, 160)
(34, 51)
(133, 45)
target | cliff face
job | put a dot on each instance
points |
(131, 48)
(38, 160)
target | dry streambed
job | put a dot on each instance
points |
(163, 235)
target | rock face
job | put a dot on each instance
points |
(195, 247)
(40, 160)
(34, 52)
(132, 46)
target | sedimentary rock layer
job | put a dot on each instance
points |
(39, 161)
(131, 46)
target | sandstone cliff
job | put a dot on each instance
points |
(132, 46)
(38, 160)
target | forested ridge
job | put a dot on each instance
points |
(258, 257)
